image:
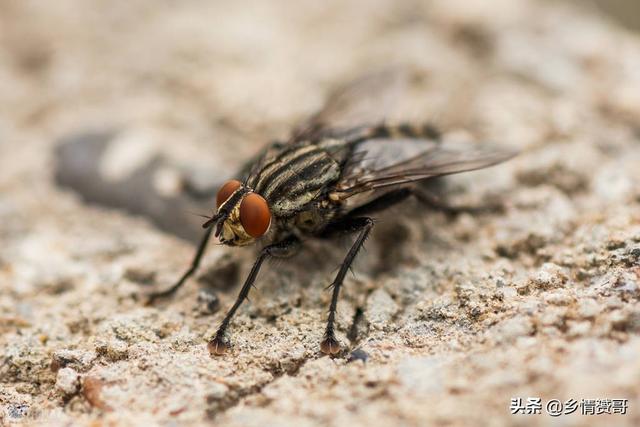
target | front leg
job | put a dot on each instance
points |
(329, 344)
(284, 249)
(202, 247)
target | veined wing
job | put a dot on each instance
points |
(363, 102)
(372, 169)
(357, 105)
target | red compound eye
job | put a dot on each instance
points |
(254, 215)
(227, 190)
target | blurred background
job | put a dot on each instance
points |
(627, 12)
(202, 85)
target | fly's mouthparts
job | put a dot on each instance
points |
(209, 223)
(212, 220)
(219, 227)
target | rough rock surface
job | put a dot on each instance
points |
(450, 317)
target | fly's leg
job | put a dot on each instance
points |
(202, 247)
(284, 249)
(383, 202)
(329, 344)
(435, 202)
(423, 196)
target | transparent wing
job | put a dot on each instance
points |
(364, 101)
(350, 108)
(383, 164)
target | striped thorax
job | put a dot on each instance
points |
(295, 177)
(290, 182)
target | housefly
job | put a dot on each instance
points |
(326, 180)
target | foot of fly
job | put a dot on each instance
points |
(151, 297)
(218, 346)
(330, 345)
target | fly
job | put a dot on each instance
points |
(325, 181)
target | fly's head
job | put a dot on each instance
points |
(242, 216)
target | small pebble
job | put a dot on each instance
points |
(588, 308)
(358, 354)
(578, 329)
(515, 327)
(113, 350)
(92, 391)
(217, 391)
(208, 302)
(17, 411)
(549, 276)
(78, 359)
(67, 381)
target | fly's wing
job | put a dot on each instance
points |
(351, 107)
(380, 165)
(250, 166)
(365, 101)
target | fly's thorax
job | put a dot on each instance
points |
(294, 176)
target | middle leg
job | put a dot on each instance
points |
(423, 196)
(350, 225)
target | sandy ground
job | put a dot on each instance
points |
(454, 316)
